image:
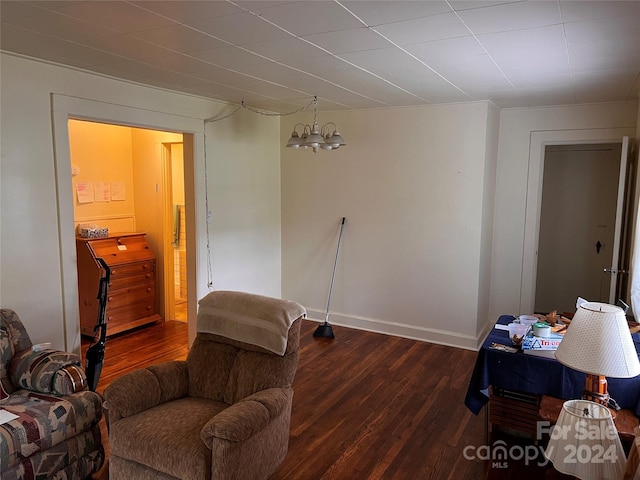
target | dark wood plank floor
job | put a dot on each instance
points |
(366, 405)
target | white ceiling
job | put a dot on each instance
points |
(276, 55)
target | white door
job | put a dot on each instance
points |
(614, 271)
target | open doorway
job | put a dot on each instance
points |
(135, 180)
(577, 225)
(176, 258)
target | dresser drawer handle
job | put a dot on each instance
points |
(145, 266)
(148, 307)
(111, 299)
(148, 289)
(148, 275)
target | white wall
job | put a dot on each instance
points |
(484, 318)
(102, 153)
(243, 190)
(518, 129)
(245, 203)
(416, 188)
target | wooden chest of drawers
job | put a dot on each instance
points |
(131, 300)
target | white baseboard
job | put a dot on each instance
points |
(432, 335)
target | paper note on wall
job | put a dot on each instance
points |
(84, 192)
(118, 191)
(102, 191)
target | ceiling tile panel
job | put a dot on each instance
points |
(234, 79)
(476, 74)
(13, 11)
(352, 40)
(467, 4)
(511, 16)
(264, 89)
(373, 98)
(447, 50)
(54, 5)
(285, 50)
(25, 42)
(61, 26)
(403, 71)
(122, 16)
(259, 6)
(328, 65)
(380, 13)
(425, 29)
(573, 11)
(551, 98)
(132, 70)
(309, 17)
(609, 84)
(178, 62)
(604, 44)
(188, 12)
(240, 29)
(229, 57)
(534, 52)
(551, 81)
(273, 72)
(127, 46)
(180, 38)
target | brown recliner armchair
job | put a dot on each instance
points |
(224, 413)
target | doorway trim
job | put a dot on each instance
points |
(537, 143)
(63, 108)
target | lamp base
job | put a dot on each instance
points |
(595, 390)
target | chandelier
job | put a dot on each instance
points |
(315, 137)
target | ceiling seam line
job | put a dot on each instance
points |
(333, 55)
(475, 37)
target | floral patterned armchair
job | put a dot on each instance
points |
(53, 429)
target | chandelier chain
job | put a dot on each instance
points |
(313, 103)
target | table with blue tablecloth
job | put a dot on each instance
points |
(537, 375)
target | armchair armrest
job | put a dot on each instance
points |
(244, 419)
(145, 388)
(48, 371)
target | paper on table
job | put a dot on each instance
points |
(6, 416)
(499, 326)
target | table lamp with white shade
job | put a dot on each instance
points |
(598, 342)
(584, 442)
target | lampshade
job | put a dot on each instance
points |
(335, 140)
(598, 342)
(295, 141)
(315, 139)
(585, 442)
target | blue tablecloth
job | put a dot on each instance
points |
(537, 375)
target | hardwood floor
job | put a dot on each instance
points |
(366, 405)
